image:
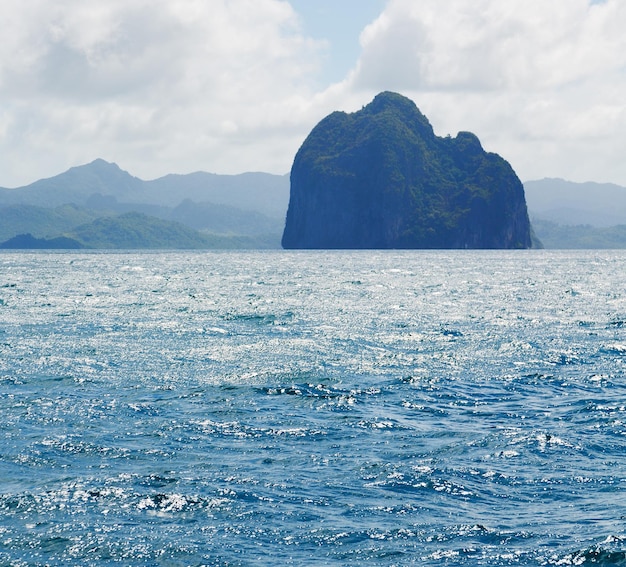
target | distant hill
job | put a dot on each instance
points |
(582, 236)
(41, 222)
(570, 215)
(569, 203)
(75, 186)
(262, 192)
(138, 231)
(29, 242)
(246, 210)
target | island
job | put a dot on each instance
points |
(380, 178)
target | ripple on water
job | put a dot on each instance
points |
(398, 408)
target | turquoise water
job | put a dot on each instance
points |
(263, 408)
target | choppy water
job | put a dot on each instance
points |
(267, 408)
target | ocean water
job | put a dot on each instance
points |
(313, 408)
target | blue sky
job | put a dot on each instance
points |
(340, 23)
(227, 86)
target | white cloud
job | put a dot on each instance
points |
(228, 86)
(486, 44)
(541, 83)
(158, 85)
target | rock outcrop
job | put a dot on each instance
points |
(380, 178)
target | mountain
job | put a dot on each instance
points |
(582, 236)
(246, 210)
(29, 242)
(138, 231)
(260, 192)
(223, 219)
(381, 178)
(76, 186)
(569, 203)
(570, 215)
(41, 222)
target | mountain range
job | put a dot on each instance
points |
(200, 210)
(567, 203)
(100, 205)
(577, 215)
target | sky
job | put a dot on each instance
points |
(229, 86)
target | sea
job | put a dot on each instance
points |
(263, 408)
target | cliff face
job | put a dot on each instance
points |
(380, 178)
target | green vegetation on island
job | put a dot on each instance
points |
(381, 178)
(136, 231)
(29, 242)
(42, 222)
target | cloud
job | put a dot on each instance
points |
(539, 82)
(228, 86)
(481, 45)
(159, 85)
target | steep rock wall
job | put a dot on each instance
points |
(380, 178)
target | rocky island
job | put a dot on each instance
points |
(380, 178)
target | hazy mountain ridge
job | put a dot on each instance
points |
(244, 210)
(255, 191)
(248, 210)
(75, 185)
(135, 230)
(570, 203)
(41, 222)
(573, 215)
(582, 236)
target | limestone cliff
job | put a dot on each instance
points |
(381, 178)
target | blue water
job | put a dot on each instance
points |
(268, 408)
